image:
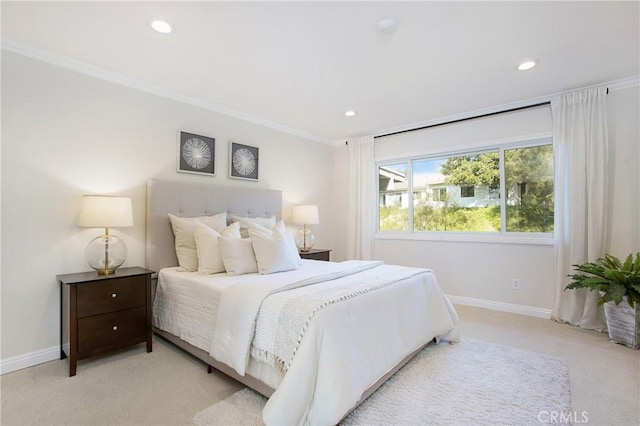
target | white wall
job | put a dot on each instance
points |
(65, 134)
(484, 271)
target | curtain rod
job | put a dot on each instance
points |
(466, 118)
(473, 117)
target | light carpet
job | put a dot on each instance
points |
(468, 383)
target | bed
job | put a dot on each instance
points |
(316, 339)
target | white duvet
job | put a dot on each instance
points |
(354, 320)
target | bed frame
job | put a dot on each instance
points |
(189, 199)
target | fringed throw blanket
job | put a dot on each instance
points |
(284, 317)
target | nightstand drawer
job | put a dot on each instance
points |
(109, 296)
(109, 331)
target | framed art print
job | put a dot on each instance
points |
(196, 154)
(243, 161)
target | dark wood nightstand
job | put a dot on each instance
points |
(100, 313)
(317, 254)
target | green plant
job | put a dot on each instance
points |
(611, 277)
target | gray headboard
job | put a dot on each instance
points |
(189, 199)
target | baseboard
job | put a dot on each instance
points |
(501, 306)
(29, 360)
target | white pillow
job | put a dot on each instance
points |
(237, 255)
(273, 251)
(293, 248)
(209, 258)
(247, 223)
(183, 231)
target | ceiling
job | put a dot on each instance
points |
(300, 65)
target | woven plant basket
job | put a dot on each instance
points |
(623, 323)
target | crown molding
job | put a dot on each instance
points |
(82, 67)
(615, 85)
(624, 83)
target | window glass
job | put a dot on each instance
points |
(463, 192)
(455, 193)
(393, 197)
(529, 189)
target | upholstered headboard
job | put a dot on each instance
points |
(189, 199)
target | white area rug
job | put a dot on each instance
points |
(469, 383)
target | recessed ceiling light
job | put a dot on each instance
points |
(387, 25)
(527, 65)
(161, 26)
(350, 113)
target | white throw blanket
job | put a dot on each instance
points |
(285, 317)
(240, 303)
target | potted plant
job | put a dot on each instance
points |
(619, 286)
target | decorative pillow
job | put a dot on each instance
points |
(209, 258)
(183, 231)
(273, 251)
(247, 223)
(293, 248)
(237, 255)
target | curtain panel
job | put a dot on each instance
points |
(581, 228)
(362, 187)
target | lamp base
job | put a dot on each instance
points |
(305, 240)
(105, 254)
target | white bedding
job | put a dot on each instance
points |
(186, 305)
(339, 355)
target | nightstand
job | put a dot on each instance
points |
(100, 313)
(316, 254)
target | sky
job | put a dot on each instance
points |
(420, 168)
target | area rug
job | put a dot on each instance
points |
(468, 383)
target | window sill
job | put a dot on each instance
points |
(536, 239)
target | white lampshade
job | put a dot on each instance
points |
(307, 215)
(99, 211)
(105, 253)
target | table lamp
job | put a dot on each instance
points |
(105, 253)
(305, 215)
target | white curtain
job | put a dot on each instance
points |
(361, 214)
(581, 170)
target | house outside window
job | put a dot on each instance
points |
(507, 189)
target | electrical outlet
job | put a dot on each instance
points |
(515, 284)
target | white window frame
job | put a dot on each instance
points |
(535, 238)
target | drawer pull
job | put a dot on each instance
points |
(114, 295)
(114, 328)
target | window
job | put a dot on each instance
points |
(503, 190)
(467, 191)
(439, 194)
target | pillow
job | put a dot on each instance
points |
(209, 258)
(291, 242)
(183, 231)
(237, 255)
(273, 251)
(247, 223)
